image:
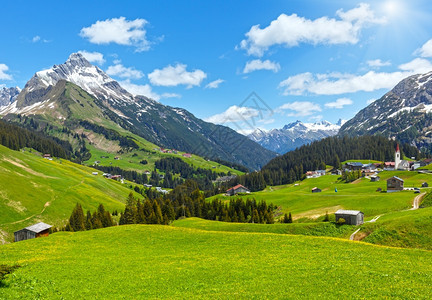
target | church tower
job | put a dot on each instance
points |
(397, 157)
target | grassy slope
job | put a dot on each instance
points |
(411, 229)
(83, 107)
(314, 229)
(360, 195)
(30, 184)
(166, 262)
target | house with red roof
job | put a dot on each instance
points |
(238, 189)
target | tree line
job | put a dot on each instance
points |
(16, 138)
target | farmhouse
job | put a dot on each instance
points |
(316, 190)
(394, 184)
(238, 189)
(47, 156)
(34, 231)
(353, 166)
(187, 155)
(351, 217)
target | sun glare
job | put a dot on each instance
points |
(392, 8)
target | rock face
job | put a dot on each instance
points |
(403, 113)
(8, 95)
(294, 135)
(166, 126)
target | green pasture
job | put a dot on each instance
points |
(33, 189)
(150, 261)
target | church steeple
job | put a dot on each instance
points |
(397, 157)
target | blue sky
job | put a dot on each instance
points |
(305, 60)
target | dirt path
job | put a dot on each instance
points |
(353, 235)
(417, 201)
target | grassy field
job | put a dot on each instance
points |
(144, 261)
(313, 229)
(359, 195)
(411, 229)
(33, 189)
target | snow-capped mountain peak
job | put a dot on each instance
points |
(8, 95)
(293, 135)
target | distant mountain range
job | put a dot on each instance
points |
(48, 95)
(404, 113)
(294, 135)
(8, 95)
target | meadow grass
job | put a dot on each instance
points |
(151, 261)
(33, 189)
(314, 229)
(358, 195)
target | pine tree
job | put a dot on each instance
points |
(88, 222)
(76, 220)
(290, 220)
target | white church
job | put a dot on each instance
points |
(402, 165)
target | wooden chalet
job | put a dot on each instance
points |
(238, 189)
(34, 231)
(395, 184)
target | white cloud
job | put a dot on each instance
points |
(119, 31)
(339, 103)
(173, 76)
(233, 114)
(425, 50)
(336, 83)
(3, 70)
(417, 66)
(258, 64)
(292, 30)
(377, 63)
(36, 39)
(123, 72)
(145, 90)
(300, 108)
(93, 57)
(214, 84)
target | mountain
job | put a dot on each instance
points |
(8, 95)
(294, 135)
(403, 113)
(165, 126)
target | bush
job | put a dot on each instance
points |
(341, 221)
(4, 270)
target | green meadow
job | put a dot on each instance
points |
(359, 195)
(33, 189)
(151, 261)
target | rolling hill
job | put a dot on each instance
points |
(33, 189)
(150, 261)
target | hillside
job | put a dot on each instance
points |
(188, 263)
(34, 189)
(403, 113)
(165, 126)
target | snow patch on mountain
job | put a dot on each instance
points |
(8, 95)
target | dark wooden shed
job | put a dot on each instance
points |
(34, 231)
(395, 184)
(425, 184)
(351, 217)
(316, 190)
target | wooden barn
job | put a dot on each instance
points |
(34, 231)
(425, 184)
(395, 184)
(351, 217)
(374, 178)
(238, 189)
(316, 190)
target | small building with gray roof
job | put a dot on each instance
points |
(34, 231)
(351, 217)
